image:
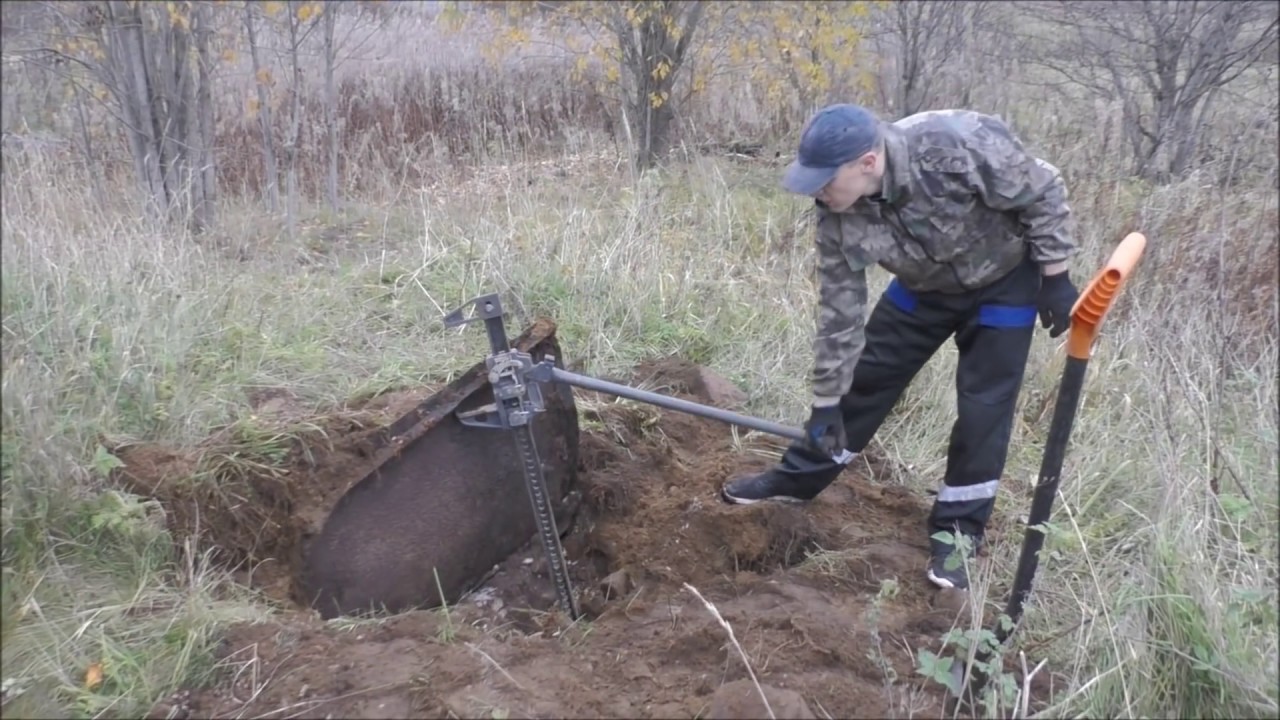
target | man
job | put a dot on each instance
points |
(976, 233)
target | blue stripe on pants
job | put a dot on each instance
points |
(1007, 316)
(901, 296)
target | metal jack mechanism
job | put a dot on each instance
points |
(517, 394)
(516, 400)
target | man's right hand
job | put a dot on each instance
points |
(825, 430)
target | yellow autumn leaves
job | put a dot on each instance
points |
(638, 13)
(305, 12)
(661, 71)
(797, 50)
(805, 53)
(83, 47)
(309, 11)
(177, 17)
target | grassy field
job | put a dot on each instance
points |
(1164, 562)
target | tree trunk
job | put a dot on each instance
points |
(295, 128)
(205, 215)
(270, 169)
(1189, 144)
(654, 58)
(909, 57)
(331, 101)
(655, 132)
(129, 60)
(166, 104)
(92, 170)
(172, 110)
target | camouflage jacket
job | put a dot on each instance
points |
(962, 204)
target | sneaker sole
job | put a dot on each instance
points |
(752, 501)
(942, 582)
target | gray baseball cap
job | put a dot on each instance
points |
(834, 135)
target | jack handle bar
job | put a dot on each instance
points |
(550, 372)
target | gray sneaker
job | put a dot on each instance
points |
(768, 485)
(946, 568)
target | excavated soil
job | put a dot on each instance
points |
(798, 585)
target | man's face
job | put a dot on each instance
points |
(853, 181)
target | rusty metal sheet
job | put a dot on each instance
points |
(444, 500)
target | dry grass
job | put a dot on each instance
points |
(1161, 586)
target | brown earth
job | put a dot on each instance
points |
(651, 521)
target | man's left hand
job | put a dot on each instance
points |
(825, 430)
(1057, 297)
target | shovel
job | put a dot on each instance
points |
(1086, 320)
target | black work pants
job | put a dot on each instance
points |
(992, 327)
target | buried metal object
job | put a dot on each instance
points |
(443, 502)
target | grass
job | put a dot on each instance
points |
(1157, 595)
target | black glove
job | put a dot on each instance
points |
(1057, 297)
(825, 430)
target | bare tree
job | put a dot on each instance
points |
(164, 102)
(284, 38)
(927, 43)
(204, 121)
(300, 21)
(1165, 62)
(155, 62)
(654, 45)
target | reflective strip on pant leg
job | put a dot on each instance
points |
(902, 297)
(966, 493)
(1007, 316)
(844, 457)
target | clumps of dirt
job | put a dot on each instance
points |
(377, 669)
(651, 478)
(217, 495)
(651, 482)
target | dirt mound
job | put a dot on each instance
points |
(652, 483)
(675, 375)
(826, 600)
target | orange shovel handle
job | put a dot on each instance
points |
(1095, 301)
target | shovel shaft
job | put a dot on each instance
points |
(672, 403)
(1086, 320)
(1064, 415)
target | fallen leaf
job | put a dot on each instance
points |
(93, 676)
